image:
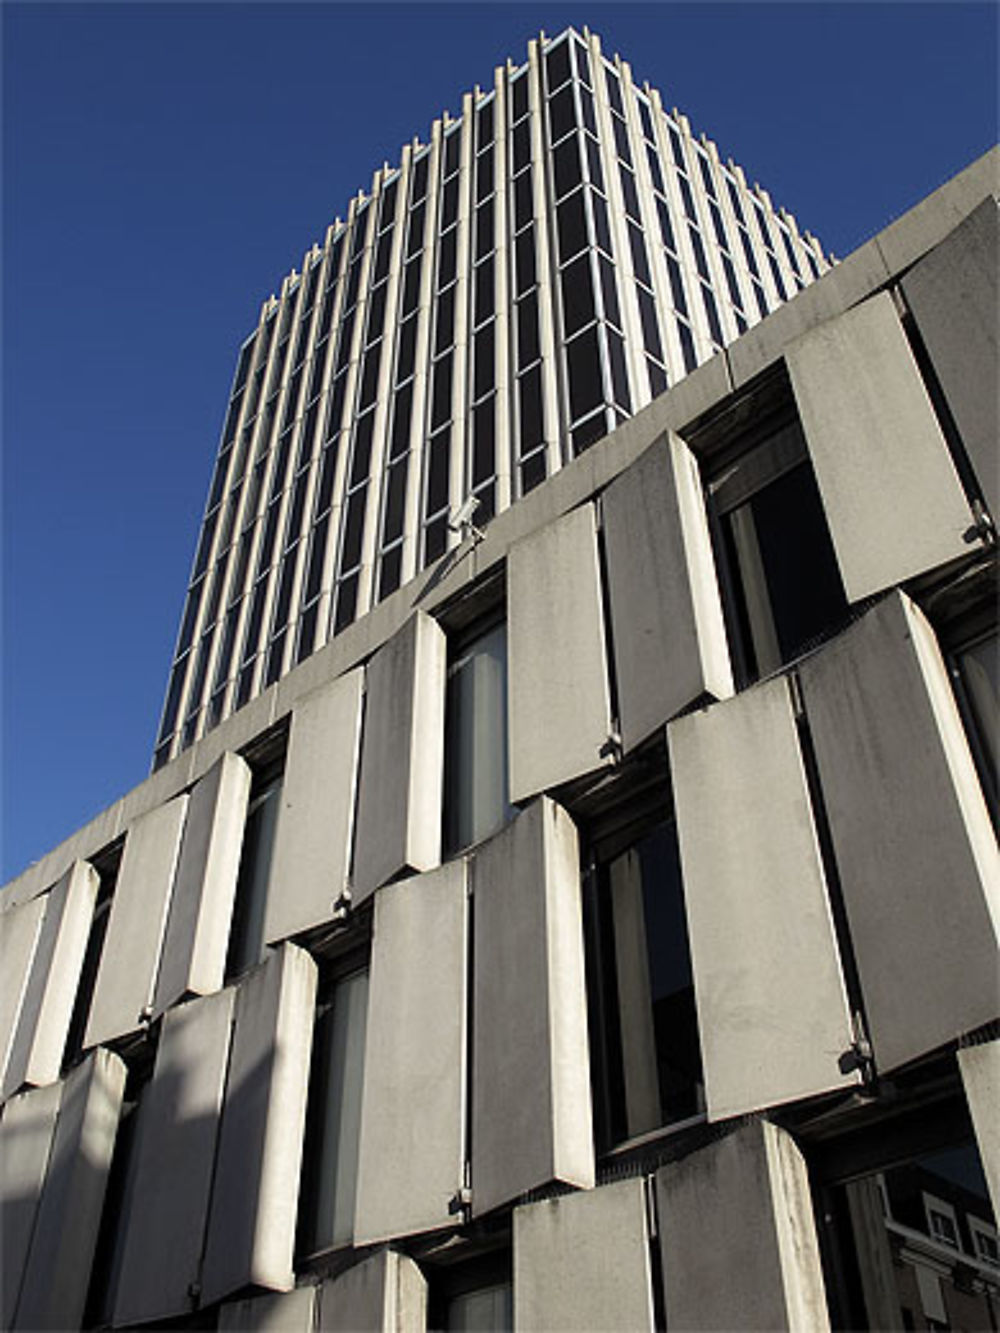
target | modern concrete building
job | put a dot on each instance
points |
(600, 931)
(543, 268)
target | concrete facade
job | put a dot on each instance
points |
(704, 1036)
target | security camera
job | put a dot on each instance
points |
(461, 519)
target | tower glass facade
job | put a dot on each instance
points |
(554, 258)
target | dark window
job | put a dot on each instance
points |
(449, 203)
(484, 352)
(445, 328)
(527, 331)
(784, 589)
(577, 295)
(677, 286)
(609, 292)
(483, 442)
(588, 432)
(566, 166)
(530, 395)
(645, 1052)
(640, 264)
(614, 91)
(327, 469)
(687, 346)
(353, 530)
(712, 314)
(524, 253)
(441, 399)
(438, 460)
(419, 186)
(484, 291)
(416, 237)
(584, 361)
(587, 107)
(562, 113)
(523, 200)
(390, 572)
(435, 539)
(484, 127)
(347, 603)
(411, 286)
(532, 472)
(520, 96)
(557, 69)
(382, 256)
(650, 327)
(452, 151)
(621, 139)
(246, 937)
(407, 349)
(646, 118)
(484, 229)
(484, 175)
(376, 312)
(317, 553)
(395, 501)
(594, 169)
(400, 439)
(571, 225)
(362, 448)
(602, 231)
(521, 145)
(619, 375)
(369, 376)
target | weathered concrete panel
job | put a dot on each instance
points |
(123, 993)
(980, 1070)
(312, 845)
(737, 1237)
(913, 840)
(669, 636)
(531, 1116)
(772, 1009)
(171, 1176)
(287, 1312)
(26, 1132)
(201, 906)
(953, 296)
(39, 1039)
(402, 758)
(558, 701)
(582, 1262)
(411, 1151)
(57, 1274)
(892, 497)
(386, 1293)
(251, 1228)
(20, 929)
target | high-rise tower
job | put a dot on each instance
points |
(551, 260)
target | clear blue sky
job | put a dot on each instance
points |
(165, 165)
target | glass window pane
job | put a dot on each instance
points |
(246, 940)
(476, 742)
(577, 295)
(584, 361)
(330, 1168)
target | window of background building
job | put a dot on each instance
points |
(330, 1154)
(645, 1051)
(476, 784)
(899, 1206)
(781, 583)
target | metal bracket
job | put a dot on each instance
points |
(983, 529)
(342, 906)
(612, 747)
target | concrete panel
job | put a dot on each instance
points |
(123, 994)
(582, 1262)
(57, 1274)
(412, 1146)
(26, 1132)
(772, 1009)
(669, 636)
(980, 1070)
(288, 1312)
(913, 840)
(201, 906)
(20, 929)
(531, 1115)
(953, 296)
(39, 1039)
(171, 1173)
(251, 1229)
(737, 1237)
(558, 697)
(402, 757)
(386, 1293)
(312, 845)
(892, 497)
